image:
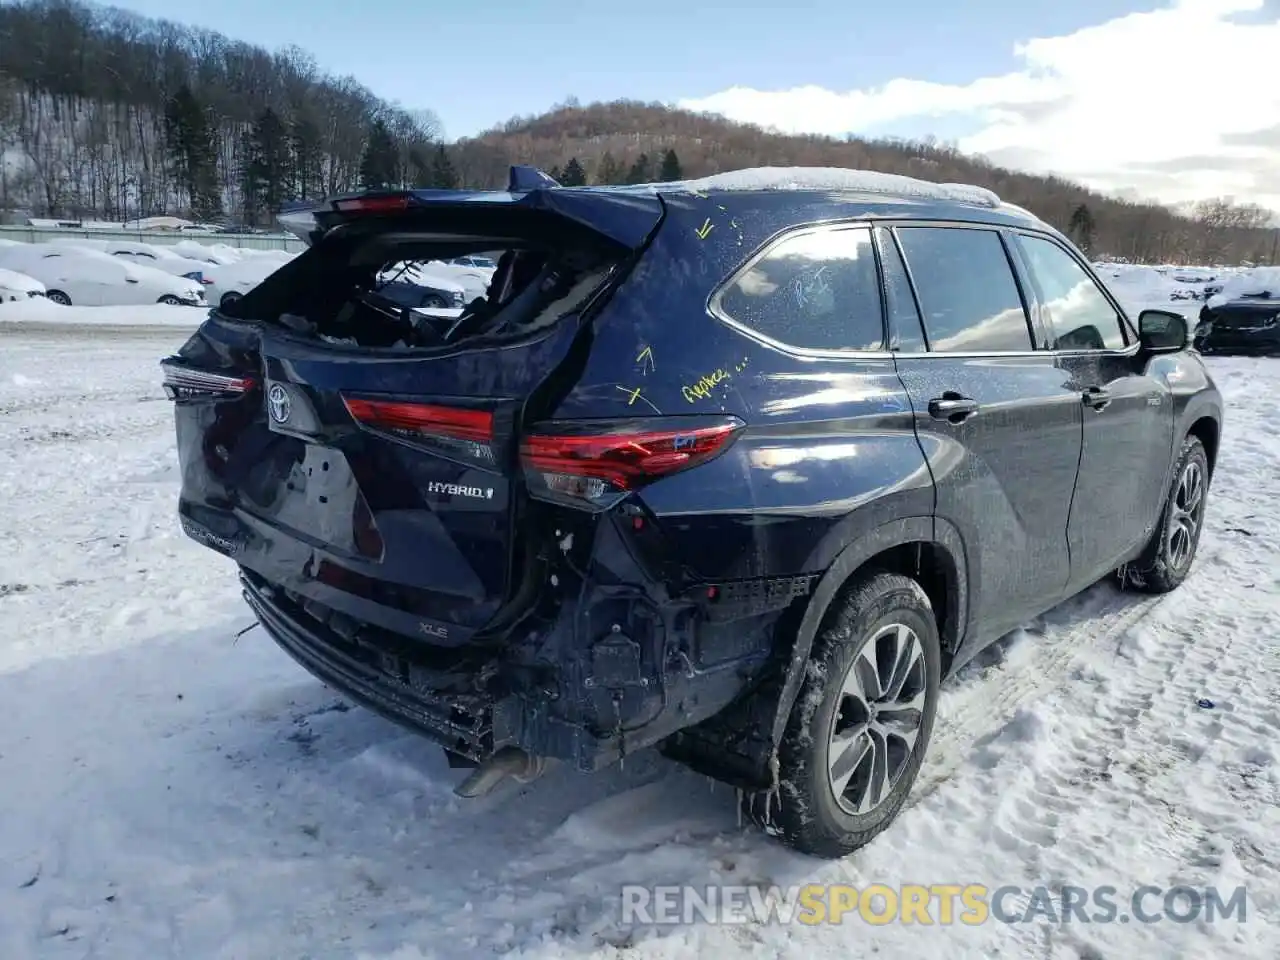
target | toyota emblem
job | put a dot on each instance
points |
(278, 403)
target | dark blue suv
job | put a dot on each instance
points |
(741, 468)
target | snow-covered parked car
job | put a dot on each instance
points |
(91, 278)
(229, 282)
(18, 286)
(439, 290)
(217, 254)
(473, 273)
(159, 257)
(1243, 317)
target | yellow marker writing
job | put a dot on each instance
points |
(646, 355)
(632, 395)
(701, 390)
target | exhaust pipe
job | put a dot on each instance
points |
(507, 762)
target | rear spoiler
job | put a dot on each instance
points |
(627, 218)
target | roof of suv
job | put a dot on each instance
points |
(925, 198)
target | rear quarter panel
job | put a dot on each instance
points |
(829, 452)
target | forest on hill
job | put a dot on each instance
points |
(108, 115)
(629, 141)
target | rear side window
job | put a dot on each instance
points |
(1079, 313)
(967, 291)
(816, 291)
(904, 318)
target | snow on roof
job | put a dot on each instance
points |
(1014, 208)
(1256, 282)
(833, 178)
(14, 280)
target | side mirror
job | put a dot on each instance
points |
(1162, 331)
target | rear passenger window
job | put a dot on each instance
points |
(1080, 315)
(904, 318)
(967, 292)
(816, 291)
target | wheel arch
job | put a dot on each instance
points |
(927, 549)
(1208, 431)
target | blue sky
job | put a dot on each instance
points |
(478, 64)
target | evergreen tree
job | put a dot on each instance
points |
(189, 136)
(573, 175)
(250, 173)
(610, 170)
(555, 174)
(275, 156)
(308, 159)
(670, 170)
(641, 171)
(1081, 228)
(443, 174)
(268, 173)
(380, 164)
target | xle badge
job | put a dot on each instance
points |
(278, 403)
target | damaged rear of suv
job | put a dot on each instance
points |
(642, 493)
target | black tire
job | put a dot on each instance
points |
(1165, 561)
(170, 300)
(228, 299)
(57, 296)
(805, 812)
(434, 302)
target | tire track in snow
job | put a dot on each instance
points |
(1078, 769)
(988, 704)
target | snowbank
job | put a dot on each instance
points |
(41, 311)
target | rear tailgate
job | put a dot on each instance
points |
(380, 483)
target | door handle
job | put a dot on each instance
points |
(952, 407)
(1097, 398)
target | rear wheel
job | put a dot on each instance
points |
(861, 722)
(170, 300)
(57, 296)
(434, 302)
(1166, 560)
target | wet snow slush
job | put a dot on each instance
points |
(169, 789)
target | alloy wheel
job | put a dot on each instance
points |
(877, 721)
(1186, 512)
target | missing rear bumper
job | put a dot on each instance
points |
(462, 723)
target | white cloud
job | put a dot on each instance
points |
(1177, 104)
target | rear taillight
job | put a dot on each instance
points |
(460, 430)
(387, 203)
(597, 462)
(190, 383)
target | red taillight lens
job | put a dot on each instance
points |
(467, 432)
(190, 383)
(391, 203)
(597, 462)
(453, 422)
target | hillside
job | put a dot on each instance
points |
(107, 114)
(607, 140)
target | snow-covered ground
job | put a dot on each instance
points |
(170, 788)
